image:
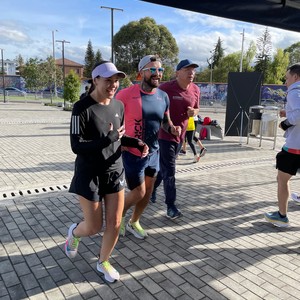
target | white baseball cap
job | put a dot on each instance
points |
(146, 60)
(106, 70)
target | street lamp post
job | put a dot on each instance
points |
(3, 81)
(53, 54)
(63, 62)
(210, 79)
(211, 74)
(112, 28)
(242, 53)
(241, 70)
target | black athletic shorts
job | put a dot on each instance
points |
(94, 187)
(287, 162)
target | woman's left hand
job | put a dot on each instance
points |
(121, 130)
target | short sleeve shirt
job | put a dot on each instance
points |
(144, 113)
(180, 99)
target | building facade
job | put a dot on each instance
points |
(70, 65)
(9, 67)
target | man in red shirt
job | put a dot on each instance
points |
(184, 98)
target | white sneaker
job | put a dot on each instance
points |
(196, 158)
(296, 197)
(136, 229)
(72, 242)
(109, 272)
(202, 152)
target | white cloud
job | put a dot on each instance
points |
(196, 41)
(105, 51)
(82, 22)
(27, 31)
(205, 20)
(9, 33)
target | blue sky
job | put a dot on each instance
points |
(26, 28)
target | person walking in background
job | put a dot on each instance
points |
(86, 92)
(97, 133)
(184, 98)
(190, 137)
(288, 159)
(146, 110)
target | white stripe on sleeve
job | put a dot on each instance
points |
(75, 125)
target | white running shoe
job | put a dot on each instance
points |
(136, 229)
(109, 272)
(202, 152)
(296, 197)
(72, 242)
(196, 158)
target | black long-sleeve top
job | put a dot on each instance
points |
(97, 147)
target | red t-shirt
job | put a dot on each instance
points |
(144, 113)
(180, 99)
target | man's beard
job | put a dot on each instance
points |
(150, 83)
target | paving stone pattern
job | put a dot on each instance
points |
(220, 249)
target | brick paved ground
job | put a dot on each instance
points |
(220, 249)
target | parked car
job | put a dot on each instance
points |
(12, 91)
(47, 93)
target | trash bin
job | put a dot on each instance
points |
(255, 115)
(269, 121)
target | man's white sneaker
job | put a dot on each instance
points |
(136, 229)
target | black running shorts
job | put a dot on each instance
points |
(94, 187)
(287, 162)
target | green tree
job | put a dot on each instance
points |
(140, 38)
(168, 73)
(217, 54)
(230, 63)
(32, 73)
(20, 64)
(72, 87)
(248, 57)
(50, 73)
(39, 74)
(278, 67)
(98, 57)
(89, 60)
(263, 56)
(126, 82)
(203, 76)
(214, 60)
(294, 53)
